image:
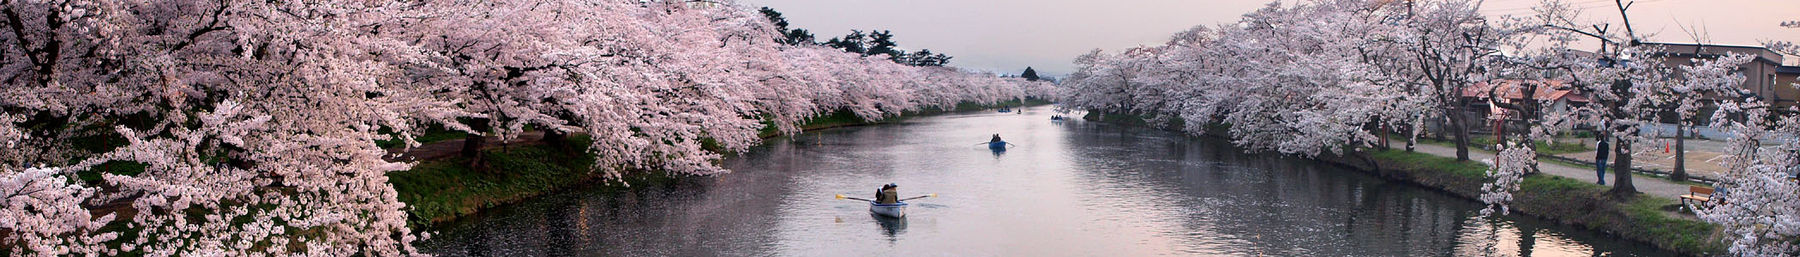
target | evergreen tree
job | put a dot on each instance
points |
(800, 36)
(791, 37)
(854, 42)
(923, 58)
(1029, 74)
(882, 42)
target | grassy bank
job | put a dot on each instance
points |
(846, 118)
(442, 190)
(1640, 218)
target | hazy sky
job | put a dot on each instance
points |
(1007, 35)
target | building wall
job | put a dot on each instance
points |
(1785, 86)
(1759, 73)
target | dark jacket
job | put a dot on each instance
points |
(1600, 154)
(887, 196)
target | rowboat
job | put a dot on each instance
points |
(897, 210)
(997, 145)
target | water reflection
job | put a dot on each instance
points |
(1073, 188)
(890, 226)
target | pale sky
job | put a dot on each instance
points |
(1006, 35)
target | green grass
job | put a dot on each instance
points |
(1412, 160)
(444, 189)
(1477, 142)
(1572, 201)
(1648, 214)
(834, 119)
(432, 135)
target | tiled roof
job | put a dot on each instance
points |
(1511, 89)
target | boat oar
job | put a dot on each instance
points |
(917, 197)
(854, 198)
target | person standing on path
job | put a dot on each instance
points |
(1600, 161)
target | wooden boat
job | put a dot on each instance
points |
(997, 146)
(896, 210)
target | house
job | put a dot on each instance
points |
(1512, 91)
(1760, 74)
(1786, 79)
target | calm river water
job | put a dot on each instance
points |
(1067, 189)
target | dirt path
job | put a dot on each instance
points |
(1645, 184)
(450, 148)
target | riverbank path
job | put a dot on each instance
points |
(1653, 186)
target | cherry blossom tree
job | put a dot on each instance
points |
(1758, 215)
(1786, 47)
(224, 127)
(43, 215)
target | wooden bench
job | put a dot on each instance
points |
(1697, 194)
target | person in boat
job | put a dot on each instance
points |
(996, 139)
(889, 194)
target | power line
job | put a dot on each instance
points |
(1581, 6)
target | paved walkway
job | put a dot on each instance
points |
(1648, 185)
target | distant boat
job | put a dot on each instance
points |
(1005, 110)
(997, 145)
(897, 210)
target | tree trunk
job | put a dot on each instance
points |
(1680, 173)
(1440, 135)
(473, 142)
(1622, 168)
(1460, 126)
(1410, 139)
(1499, 132)
(556, 138)
(1384, 136)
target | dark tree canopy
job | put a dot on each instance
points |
(923, 58)
(855, 42)
(1029, 74)
(882, 42)
(871, 43)
(791, 37)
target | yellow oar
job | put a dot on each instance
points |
(917, 197)
(841, 197)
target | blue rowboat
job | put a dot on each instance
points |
(897, 210)
(997, 146)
